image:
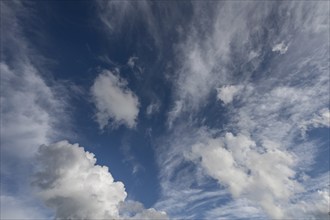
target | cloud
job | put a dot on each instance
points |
(32, 108)
(153, 107)
(264, 177)
(281, 48)
(131, 61)
(19, 208)
(28, 104)
(278, 94)
(114, 101)
(227, 93)
(320, 119)
(237, 209)
(69, 181)
(135, 210)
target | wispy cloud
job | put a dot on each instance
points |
(276, 95)
(31, 112)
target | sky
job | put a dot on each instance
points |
(165, 109)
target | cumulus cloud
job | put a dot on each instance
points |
(114, 101)
(281, 48)
(227, 93)
(69, 181)
(135, 210)
(20, 208)
(265, 175)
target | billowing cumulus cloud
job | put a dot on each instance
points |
(69, 181)
(115, 102)
(20, 208)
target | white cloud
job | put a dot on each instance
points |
(70, 182)
(153, 107)
(264, 177)
(281, 48)
(237, 209)
(320, 119)
(277, 97)
(28, 104)
(131, 61)
(31, 111)
(114, 101)
(30, 108)
(227, 93)
(19, 208)
(135, 210)
(175, 112)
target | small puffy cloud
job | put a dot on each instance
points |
(131, 61)
(114, 101)
(228, 93)
(281, 48)
(70, 182)
(153, 107)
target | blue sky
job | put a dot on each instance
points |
(165, 109)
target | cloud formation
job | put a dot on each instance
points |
(31, 110)
(279, 96)
(227, 93)
(135, 210)
(69, 181)
(115, 103)
(265, 175)
(281, 48)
